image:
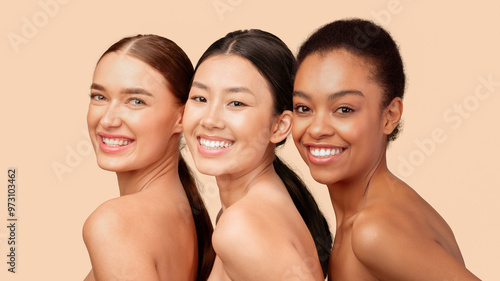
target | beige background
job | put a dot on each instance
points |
(446, 48)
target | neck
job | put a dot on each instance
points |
(233, 187)
(348, 196)
(165, 169)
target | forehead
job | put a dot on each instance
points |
(127, 71)
(334, 71)
(225, 71)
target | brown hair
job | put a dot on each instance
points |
(172, 62)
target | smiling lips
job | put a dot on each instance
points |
(116, 141)
(114, 144)
(324, 155)
(324, 152)
(213, 146)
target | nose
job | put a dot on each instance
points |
(212, 119)
(111, 118)
(321, 126)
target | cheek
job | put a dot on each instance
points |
(350, 130)
(92, 117)
(190, 119)
(299, 127)
(253, 130)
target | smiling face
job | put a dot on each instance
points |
(133, 118)
(339, 127)
(229, 116)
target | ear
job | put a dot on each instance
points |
(281, 126)
(178, 120)
(392, 115)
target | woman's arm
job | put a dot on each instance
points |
(251, 249)
(392, 248)
(116, 247)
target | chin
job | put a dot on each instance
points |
(324, 176)
(211, 170)
(112, 166)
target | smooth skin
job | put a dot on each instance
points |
(385, 230)
(260, 235)
(148, 233)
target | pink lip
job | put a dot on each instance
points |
(113, 149)
(212, 152)
(323, 160)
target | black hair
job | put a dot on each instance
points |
(174, 65)
(276, 63)
(368, 41)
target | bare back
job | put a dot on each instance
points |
(149, 235)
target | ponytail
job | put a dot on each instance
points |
(204, 228)
(308, 209)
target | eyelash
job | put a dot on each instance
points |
(237, 104)
(342, 108)
(97, 97)
(199, 99)
(141, 102)
(133, 101)
(232, 103)
(300, 109)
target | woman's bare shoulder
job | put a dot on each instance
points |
(252, 247)
(248, 222)
(397, 230)
(111, 219)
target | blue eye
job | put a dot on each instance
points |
(97, 97)
(136, 101)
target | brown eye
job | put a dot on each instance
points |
(301, 109)
(236, 103)
(199, 99)
(344, 110)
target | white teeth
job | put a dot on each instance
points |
(214, 144)
(325, 152)
(116, 142)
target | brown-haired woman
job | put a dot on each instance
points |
(158, 229)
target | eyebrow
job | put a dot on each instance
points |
(332, 96)
(199, 85)
(237, 89)
(95, 86)
(129, 91)
(136, 91)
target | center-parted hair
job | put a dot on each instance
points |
(174, 65)
(276, 63)
(372, 43)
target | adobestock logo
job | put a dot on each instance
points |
(223, 6)
(73, 158)
(30, 26)
(383, 17)
(454, 116)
